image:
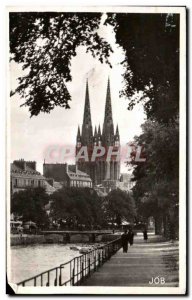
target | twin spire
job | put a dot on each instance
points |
(87, 110)
(108, 127)
(87, 131)
(78, 132)
(108, 109)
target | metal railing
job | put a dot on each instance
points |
(77, 269)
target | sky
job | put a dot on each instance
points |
(31, 137)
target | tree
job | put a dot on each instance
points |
(77, 206)
(44, 43)
(30, 205)
(119, 206)
(156, 191)
(151, 45)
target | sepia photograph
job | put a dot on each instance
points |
(96, 150)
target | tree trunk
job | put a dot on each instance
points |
(165, 229)
(158, 225)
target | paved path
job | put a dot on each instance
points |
(143, 261)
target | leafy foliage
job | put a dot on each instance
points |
(157, 182)
(151, 45)
(30, 205)
(44, 43)
(77, 206)
(119, 206)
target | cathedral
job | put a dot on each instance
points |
(102, 170)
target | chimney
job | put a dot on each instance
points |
(21, 163)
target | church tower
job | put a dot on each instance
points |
(100, 170)
(109, 139)
(86, 137)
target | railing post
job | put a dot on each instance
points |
(60, 276)
(103, 256)
(48, 279)
(70, 272)
(73, 277)
(82, 273)
(94, 262)
(89, 265)
(55, 281)
(85, 263)
(77, 270)
(110, 251)
(99, 259)
(113, 246)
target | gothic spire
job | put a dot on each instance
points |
(78, 132)
(87, 131)
(108, 129)
(117, 130)
(99, 130)
(108, 109)
(95, 133)
(87, 110)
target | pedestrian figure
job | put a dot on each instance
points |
(124, 241)
(145, 236)
(131, 237)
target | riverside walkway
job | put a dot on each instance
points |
(155, 261)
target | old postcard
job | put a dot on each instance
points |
(96, 150)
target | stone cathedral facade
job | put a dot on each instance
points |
(101, 170)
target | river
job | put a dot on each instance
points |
(28, 261)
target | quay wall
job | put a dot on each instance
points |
(25, 239)
(17, 239)
(29, 239)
